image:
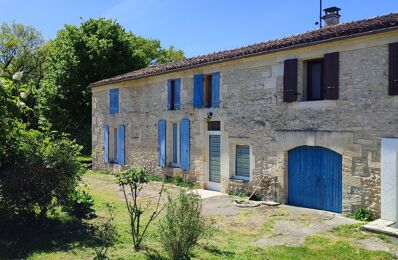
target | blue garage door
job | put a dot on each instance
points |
(314, 178)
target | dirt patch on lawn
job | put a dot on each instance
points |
(264, 225)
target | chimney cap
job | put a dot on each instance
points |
(331, 10)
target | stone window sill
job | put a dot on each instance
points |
(240, 179)
(318, 104)
(175, 165)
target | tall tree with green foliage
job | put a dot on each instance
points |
(78, 56)
(22, 60)
(21, 51)
(9, 116)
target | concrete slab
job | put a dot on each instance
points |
(382, 226)
(300, 223)
(204, 194)
(374, 244)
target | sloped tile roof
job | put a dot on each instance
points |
(328, 33)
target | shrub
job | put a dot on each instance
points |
(236, 193)
(132, 182)
(180, 182)
(105, 235)
(80, 203)
(152, 177)
(40, 174)
(362, 214)
(182, 225)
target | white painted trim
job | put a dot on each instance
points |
(216, 186)
(233, 162)
(389, 180)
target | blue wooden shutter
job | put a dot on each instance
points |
(120, 143)
(177, 90)
(162, 143)
(106, 143)
(184, 144)
(169, 94)
(215, 90)
(198, 85)
(114, 101)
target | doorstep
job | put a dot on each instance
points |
(204, 194)
(382, 226)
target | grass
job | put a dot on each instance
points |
(351, 231)
(319, 247)
(233, 238)
(84, 158)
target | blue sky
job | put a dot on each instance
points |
(197, 27)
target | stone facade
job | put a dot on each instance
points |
(252, 112)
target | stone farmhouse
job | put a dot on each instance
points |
(309, 120)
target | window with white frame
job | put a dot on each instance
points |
(242, 161)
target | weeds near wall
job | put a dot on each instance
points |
(362, 214)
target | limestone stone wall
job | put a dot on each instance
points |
(252, 112)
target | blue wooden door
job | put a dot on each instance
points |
(315, 178)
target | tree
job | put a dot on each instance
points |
(21, 50)
(170, 55)
(12, 108)
(22, 59)
(154, 53)
(132, 182)
(78, 56)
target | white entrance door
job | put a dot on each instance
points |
(389, 180)
(214, 154)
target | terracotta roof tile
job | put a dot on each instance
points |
(349, 29)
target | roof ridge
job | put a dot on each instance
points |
(349, 28)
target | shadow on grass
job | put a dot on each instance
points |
(152, 253)
(217, 251)
(21, 240)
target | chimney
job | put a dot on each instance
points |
(332, 16)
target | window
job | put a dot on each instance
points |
(242, 162)
(176, 146)
(115, 145)
(315, 80)
(114, 101)
(393, 68)
(206, 90)
(114, 151)
(179, 140)
(213, 126)
(321, 79)
(173, 94)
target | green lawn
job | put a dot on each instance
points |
(71, 240)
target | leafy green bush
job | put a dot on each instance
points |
(166, 179)
(362, 214)
(40, 174)
(80, 203)
(153, 177)
(180, 182)
(182, 225)
(236, 193)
